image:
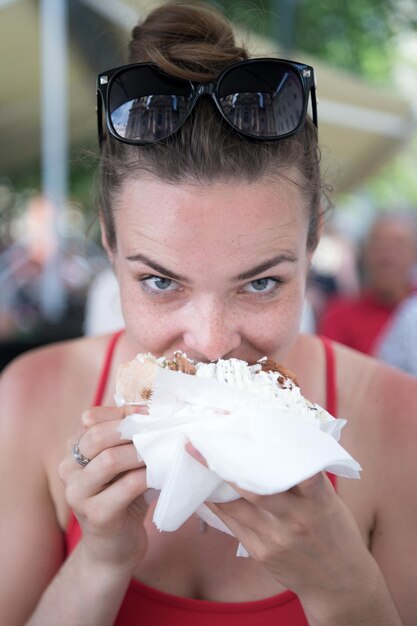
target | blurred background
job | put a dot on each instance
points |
(54, 278)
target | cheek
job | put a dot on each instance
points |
(273, 328)
(151, 331)
(269, 328)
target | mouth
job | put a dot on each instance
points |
(249, 357)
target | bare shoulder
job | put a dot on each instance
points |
(380, 404)
(43, 393)
(41, 396)
(374, 392)
(51, 375)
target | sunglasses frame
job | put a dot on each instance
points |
(210, 88)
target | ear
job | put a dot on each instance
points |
(105, 243)
(319, 231)
(320, 222)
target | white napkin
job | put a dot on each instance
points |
(263, 445)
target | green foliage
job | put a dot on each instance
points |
(358, 35)
(395, 186)
(355, 35)
(361, 36)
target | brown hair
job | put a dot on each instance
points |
(194, 41)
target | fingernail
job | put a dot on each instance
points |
(86, 418)
(140, 459)
(195, 453)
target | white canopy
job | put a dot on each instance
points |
(360, 126)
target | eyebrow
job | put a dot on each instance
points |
(266, 265)
(141, 258)
(247, 275)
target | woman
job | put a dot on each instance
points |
(210, 232)
(398, 345)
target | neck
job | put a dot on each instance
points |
(391, 297)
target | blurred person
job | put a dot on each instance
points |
(398, 344)
(23, 267)
(321, 288)
(103, 311)
(20, 276)
(333, 272)
(308, 320)
(388, 261)
(210, 221)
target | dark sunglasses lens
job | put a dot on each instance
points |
(264, 99)
(145, 105)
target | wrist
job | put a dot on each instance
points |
(103, 566)
(97, 585)
(365, 602)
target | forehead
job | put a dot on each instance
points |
(392, 230)
(236, 214)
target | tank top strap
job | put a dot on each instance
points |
(331, 387)
(105, 369)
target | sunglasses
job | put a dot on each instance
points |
(259, 98)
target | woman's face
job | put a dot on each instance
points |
(214, 270)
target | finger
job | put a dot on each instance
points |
(120, 494)
(314, 487)
(317, 490)
(247, 514)
(75, 437)
(99, 414)
(300, 508)
(99, 437)
(195, 453)
(247, 537)
(262, 533)
(104, 469)
(260, 501)
(247, 495)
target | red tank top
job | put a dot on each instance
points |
(145, 606)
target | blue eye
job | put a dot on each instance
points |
(159, 284)
(262, 285)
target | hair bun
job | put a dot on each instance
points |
(189, 40)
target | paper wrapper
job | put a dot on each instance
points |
(261, 445)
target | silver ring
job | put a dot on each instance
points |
(77, 456)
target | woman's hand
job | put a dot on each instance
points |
(305, 536)
(309, 541)
(107, 494)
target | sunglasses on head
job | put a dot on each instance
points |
(259, 98)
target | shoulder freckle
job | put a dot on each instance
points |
(379, 399)
(42, 378)
(397, 407)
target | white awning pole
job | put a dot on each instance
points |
(54, 123)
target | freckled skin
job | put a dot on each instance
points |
(208, 235)
(389, 258)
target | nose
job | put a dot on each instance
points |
(211, 330)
